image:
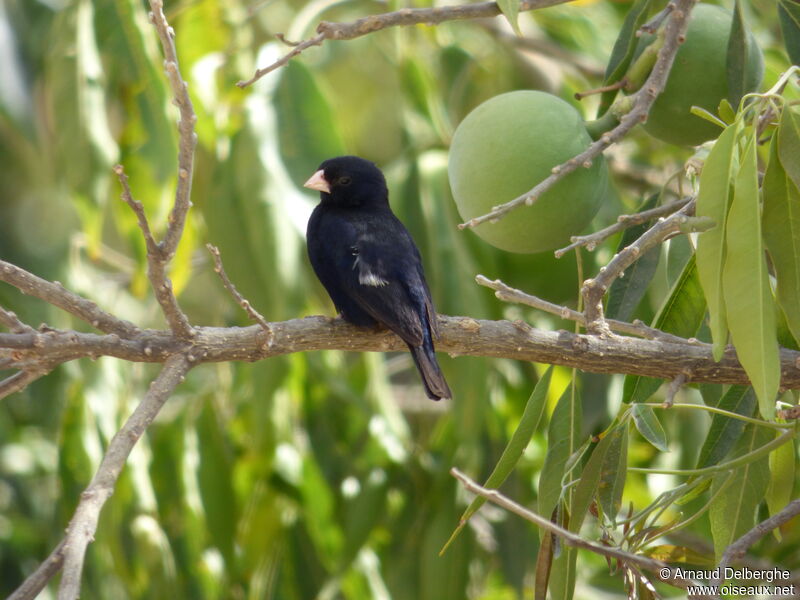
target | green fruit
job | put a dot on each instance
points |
(509, 144)
(699, 78)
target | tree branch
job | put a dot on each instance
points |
(570, 538)
(404, 17)
(459, 336)
(591, 240)
(56, 294)
(83, 525)
(642, 101)
(738, 548)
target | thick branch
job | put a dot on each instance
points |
(642, 101)
(459, 336)
(83, 525)
(403, 17)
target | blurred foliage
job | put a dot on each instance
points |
(324, 475)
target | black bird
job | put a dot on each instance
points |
(369, 264)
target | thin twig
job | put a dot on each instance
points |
(36, 581)
(738, 548)
(591, 241)
(159, 256)
(241, 300)
(606, 88)
(568, 537)
(509, 294)
(20, 380)
(594, 289)
(83, 524)
(641, 101)
(12, 322)
(404, 17)
(674, 387)
(56, 294)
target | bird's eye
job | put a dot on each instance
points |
(344, 180)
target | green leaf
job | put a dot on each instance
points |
(562, 441)
(681, 314)
(678, 554)
(733, 510)
(649, 426)
(789, 143)
(510, 9)
(603, 476)
(725, 431)
(781, 230)
(736, 60)
(745, 284)
(307, 128)
(789, 16)
(627, 292)
(712, 201)
(531, 417)
(624, 49)
(782, 471)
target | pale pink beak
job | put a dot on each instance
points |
(317, 182)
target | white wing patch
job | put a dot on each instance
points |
(367, 278)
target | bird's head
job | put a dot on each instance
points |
(349, 181)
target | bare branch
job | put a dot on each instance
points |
(83, 525)
(459, 336)
(401, 18)
(20, 380)
(187, 136)
(159, 256)
(12, 322)
(738, 548)
(36, 581)
(594, 289)
(241, 300)
(569, 538)
(156, 264)
(55, 294)
(509, 294)
(641, 101)
(623, 222)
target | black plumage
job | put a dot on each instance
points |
(368, 263)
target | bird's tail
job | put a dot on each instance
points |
(425, 358)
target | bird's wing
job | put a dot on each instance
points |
(386, 280)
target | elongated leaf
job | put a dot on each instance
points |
(736, 61)
(713, 201)
(745, 284)
(733, 510)
(624, 49)
(627, 292)
(789, 143)
(562, 441)
(678, 554)
(510, 10)
(603, 477)
(682, 314)
(725, 431)
(531, 417)
(789, 16)
(781, 230)
(649, 426)
(782, 470)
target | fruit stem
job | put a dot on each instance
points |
(640, 68)
(600, 126)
